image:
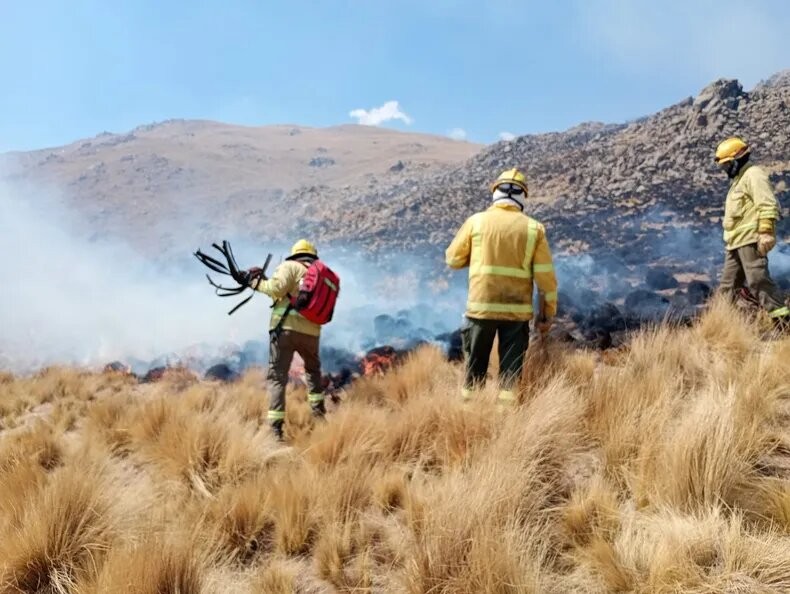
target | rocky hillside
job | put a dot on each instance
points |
(606, 187)
(628, 191)
(178, 182)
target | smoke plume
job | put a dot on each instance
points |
(72, 299)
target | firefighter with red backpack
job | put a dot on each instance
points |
(304, 291)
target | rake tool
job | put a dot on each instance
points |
(245, 279)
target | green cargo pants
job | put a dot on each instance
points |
(281, 354)
(478, 339)
(746, 265)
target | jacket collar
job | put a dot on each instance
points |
(505, 206)
(742, 170)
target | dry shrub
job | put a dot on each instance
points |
(667, 551)
(39, 444)
(151, 567)
(18, 484)
(295, 518)
(108, 422)
(240, 524)
(662, 467)
(204, 450)
(65, 530)
(592, 511)
(704, 457)
(484, 528)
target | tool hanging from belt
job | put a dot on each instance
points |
(246, 279)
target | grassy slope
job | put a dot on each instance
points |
(662, 468)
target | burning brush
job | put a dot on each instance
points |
(378, 360)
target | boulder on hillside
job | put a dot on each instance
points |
(660, 279)
(726, 91)
(646, 306)
(221, 372)
(603, 319)
(698, 292)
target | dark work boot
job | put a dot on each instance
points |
(277, 430)
(782, 324)
(318, 409)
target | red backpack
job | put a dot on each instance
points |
(318, 292)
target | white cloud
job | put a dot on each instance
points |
(378, 115)
(506, 136)
(457, 134)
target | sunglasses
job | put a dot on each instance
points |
(511, 189)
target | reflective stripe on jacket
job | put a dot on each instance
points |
(286, 281)
(750, 200)
(505, 251)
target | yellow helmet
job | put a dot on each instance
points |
(731, 149)
(511, 176)
(303, 248)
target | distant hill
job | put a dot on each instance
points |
(179, 181)
(622, 190)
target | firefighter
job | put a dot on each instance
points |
(289, 333)
(750, 215)
(505, 251)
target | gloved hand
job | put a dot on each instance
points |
(243, 277)
(765, 243)
(254, 276)
(543, 326)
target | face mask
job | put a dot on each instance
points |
(730, 168)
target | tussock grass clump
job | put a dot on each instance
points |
(661, 467)
(63, 532)
(151, 567)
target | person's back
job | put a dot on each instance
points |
(503, 246)
(506, 251)
(289, 333)
(285, 282)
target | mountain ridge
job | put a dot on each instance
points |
(168, 185)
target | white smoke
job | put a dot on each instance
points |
(70, 299)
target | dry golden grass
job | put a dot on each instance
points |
(663, 467)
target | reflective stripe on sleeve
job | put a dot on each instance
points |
(532, 241)
(276, 415)
(743, 227)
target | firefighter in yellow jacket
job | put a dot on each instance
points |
(505, 251)
(750, 214)
(289, 333)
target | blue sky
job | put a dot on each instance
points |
(72, 69)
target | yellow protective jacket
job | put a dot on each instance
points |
(505, 250)
(751, 207)
(285, 282)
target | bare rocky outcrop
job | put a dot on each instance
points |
(630, 184)
(629, 192)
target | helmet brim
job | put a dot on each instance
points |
(298, 255)
(499, 182)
